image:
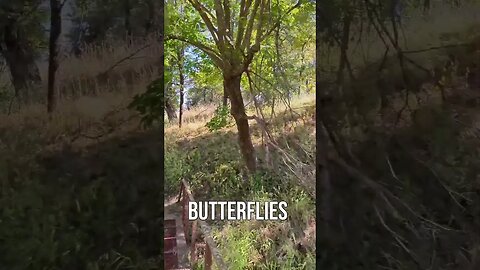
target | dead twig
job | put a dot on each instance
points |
(391, 168)
(400, 240)
(437, 48)
(124, 59)
(382, 191)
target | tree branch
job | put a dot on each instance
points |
(209, 51)
(242, 20)
(208, 22)
(277, 24)
(228, 17)
(248, 34)
(222, 28)
(437, 48)
(124, 59)
(260, 25)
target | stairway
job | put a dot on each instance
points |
(170, 244)
(175, 250)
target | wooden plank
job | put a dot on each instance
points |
(205, 230)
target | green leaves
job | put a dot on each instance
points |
(220, 120)
(150, 104)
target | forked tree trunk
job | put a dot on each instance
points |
(232, 87)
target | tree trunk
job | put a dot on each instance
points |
(170, 110)
(180, 114)
(55, 30)
(232, 87)
(20, 60)
(340, 81)
(180, 55)
(128, 26)
(426, 6)
(455, 3)
(324, 177)
(150, 17)
(225, 98)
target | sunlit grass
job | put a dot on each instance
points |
(210, 161)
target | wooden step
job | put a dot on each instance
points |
(170, 253)
(170, 232)
(170, 261)
(174, 232)
(169, 223)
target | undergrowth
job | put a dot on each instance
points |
(210, 162)
(72, 199)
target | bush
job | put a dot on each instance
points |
(220, 120)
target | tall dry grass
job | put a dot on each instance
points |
(130, 65)
(88, 107)
(441, 26)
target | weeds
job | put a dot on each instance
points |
(211, 163)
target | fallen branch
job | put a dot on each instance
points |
(103, 134)
(400, 240)
(124, 59)
(381, 191)
(437, 48)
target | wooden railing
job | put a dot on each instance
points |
(194, 230)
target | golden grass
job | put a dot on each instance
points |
(86, 116)
(78, 76)
(97, 59)
(418, 31)
(80, 122)
(196, 118)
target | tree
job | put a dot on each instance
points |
(17, 18)
(127, 19)
(235, 34)
(207, 82)
(55, 30)
(127, 8)
(181, 82)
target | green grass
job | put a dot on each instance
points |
(98, 208)
(211, 163)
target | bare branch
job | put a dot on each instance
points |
(124, 59)
(438, 48)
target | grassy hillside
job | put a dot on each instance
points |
(211, 163)
(81, 189)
